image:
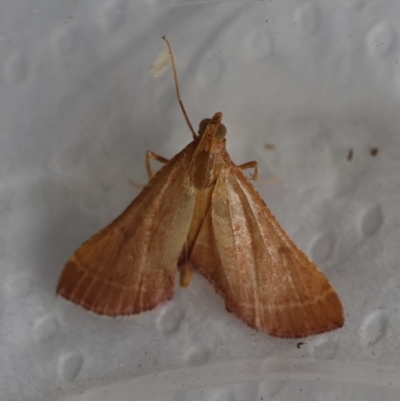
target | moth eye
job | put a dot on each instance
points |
(221, 132)
(203, 125)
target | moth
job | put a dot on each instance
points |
(199, 213)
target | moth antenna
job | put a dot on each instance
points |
(177, 89)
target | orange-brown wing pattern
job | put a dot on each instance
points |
(130, 265)
(265, 279)
(202, 252)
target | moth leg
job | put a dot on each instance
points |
(255, 175)
(153, 156)
(150, 172)
(186, 273)
(185, 268)
(254, 165)
(134, 184)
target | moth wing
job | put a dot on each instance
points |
(203, 253)
(130, 265)
(265, 279)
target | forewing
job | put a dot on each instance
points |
(130, 265)
(265, 279)
(202, 252)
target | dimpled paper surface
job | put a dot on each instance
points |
(79, 108)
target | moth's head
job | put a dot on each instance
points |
(213, 125)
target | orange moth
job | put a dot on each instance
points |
(199, 213)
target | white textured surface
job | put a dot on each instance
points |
(78, 109)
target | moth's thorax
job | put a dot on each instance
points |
(208, 158)
(207, 162)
